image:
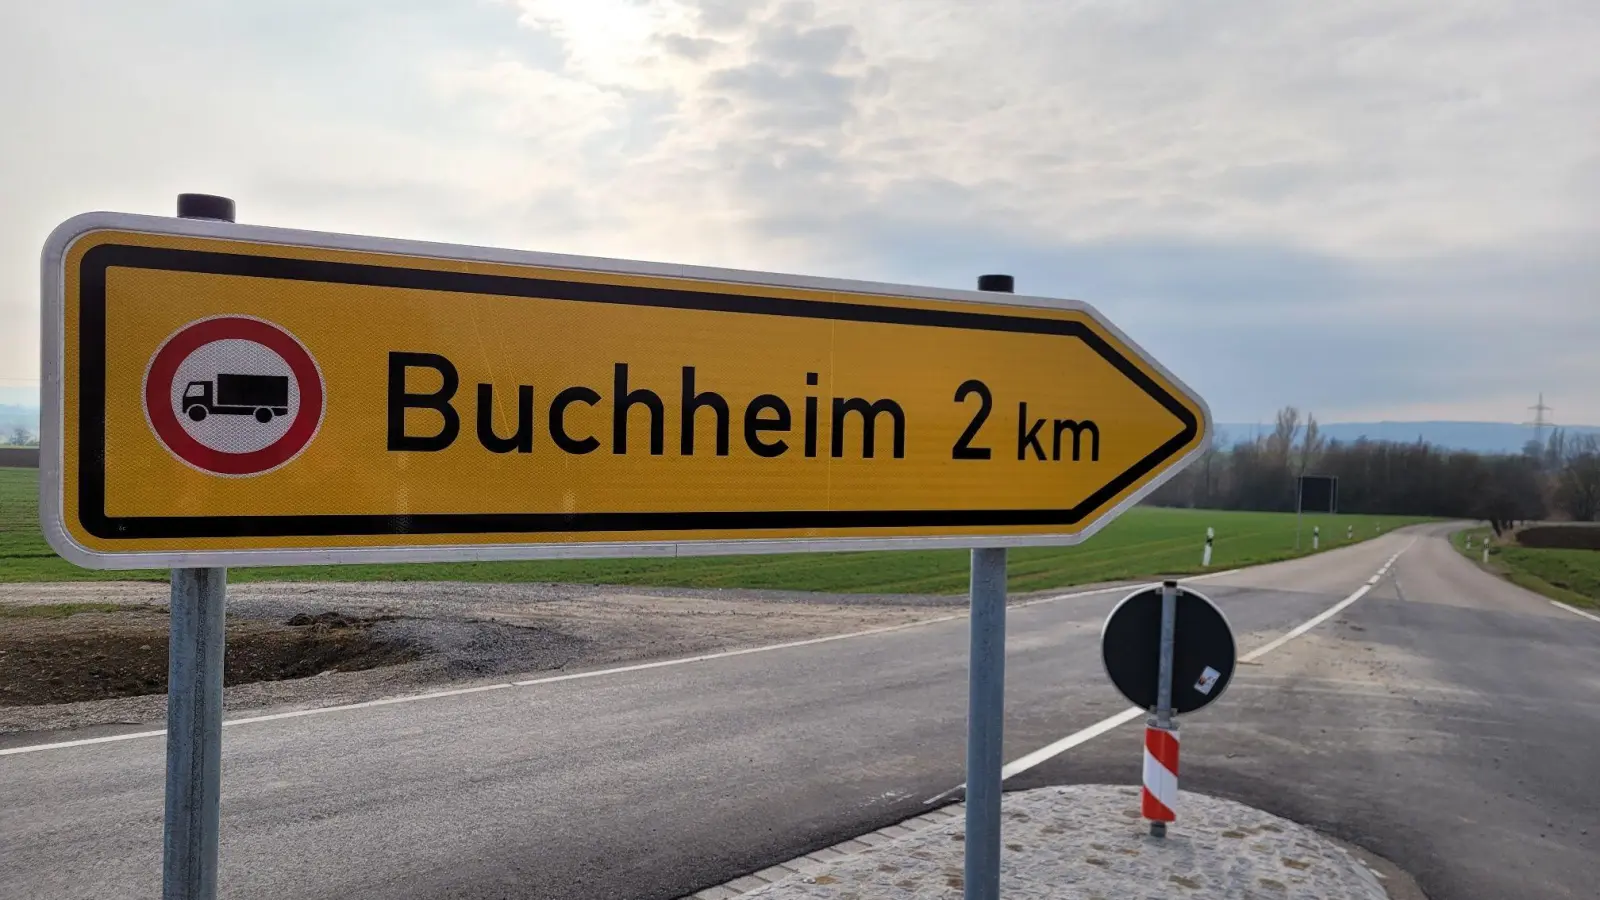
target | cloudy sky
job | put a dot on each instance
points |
(1372, 208)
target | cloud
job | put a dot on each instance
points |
(724, 15)
(1356, 207)
(694, 49)
(803, 99)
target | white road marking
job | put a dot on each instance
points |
(1044, 754)
(8, 751)
(1082, 736)
(1576, 611)
(1050, 751)
(1306, 626)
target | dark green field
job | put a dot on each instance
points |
(1571, 576)
(1146, 541)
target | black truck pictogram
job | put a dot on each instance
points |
(262, 396)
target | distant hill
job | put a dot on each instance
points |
(1478, 437)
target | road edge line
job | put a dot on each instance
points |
(1575, 611)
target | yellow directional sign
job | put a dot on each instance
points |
(219, 394)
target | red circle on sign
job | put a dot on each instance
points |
(164, 368)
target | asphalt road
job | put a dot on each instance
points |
(1460, 745)
(1448, 720)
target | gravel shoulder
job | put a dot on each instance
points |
(465, 633)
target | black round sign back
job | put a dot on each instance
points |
(1202, 659)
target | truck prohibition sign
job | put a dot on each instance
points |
(261, 396)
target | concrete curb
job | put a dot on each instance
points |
(818, 861)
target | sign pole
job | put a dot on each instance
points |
(194, 699)
(1169, 640)
(194, 735)
(986, 695)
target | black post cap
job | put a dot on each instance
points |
(1004, 284)
(205, 206)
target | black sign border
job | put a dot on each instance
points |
(92, 403)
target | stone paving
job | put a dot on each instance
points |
(1088, 842)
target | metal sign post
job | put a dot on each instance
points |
(985, 723)
(986, 697)
(194, 736)
(1162, 721)
(1169, 626)
(193, 818)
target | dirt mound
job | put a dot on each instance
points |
(1561, 537)
(331, 620)
(99, 655)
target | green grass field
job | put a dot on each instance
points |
(1571, 576)
(1144, 542)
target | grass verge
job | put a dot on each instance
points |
(1146, 541)
(1571, 576)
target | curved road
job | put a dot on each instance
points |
(1445, 719)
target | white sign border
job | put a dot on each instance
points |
(52, 486)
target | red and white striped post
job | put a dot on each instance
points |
(1160, 775)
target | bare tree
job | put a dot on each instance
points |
(1378, 477)
(1205, 483)
(1514, 493)
(21, 437)
(1312, 443)
(1280, 444)
(1578, 486)
(1556, 450)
